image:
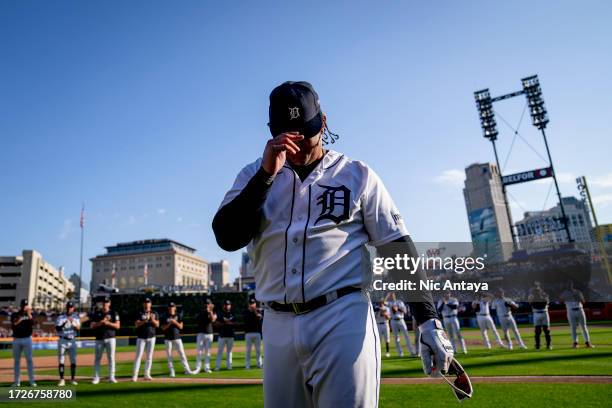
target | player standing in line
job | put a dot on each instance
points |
(306, 214)
(504, 307)
(67, 325)
(146, 324)
(105, 323)
(382, 321)
(538, 300)
(22, 325)
(448, 307)
(252, 333)
(173, 324)
(574, 299)
(204, 340)
(398, 324)
(485, 322)
(226, 321)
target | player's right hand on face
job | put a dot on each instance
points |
(275, 153)
(436, 350)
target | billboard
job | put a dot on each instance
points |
(527, 176)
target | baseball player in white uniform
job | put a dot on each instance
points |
(305, 214)
(398, 324)
(382, 321)
(573, 299)
(146, 323)
(538, 300)
(67, 325)
(448, 307)
(504, 307)
(485, 322)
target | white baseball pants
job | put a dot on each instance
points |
(485, 323)
(178, 346)
(453, 329)
(141, 345)
(226, 343)
(399, 327)
(101, 345)
(329, 357)
(253, 339)
(578, 318)
(383, 332)
(203, 344)
(508, 323)
(22, 344)
(64, 345)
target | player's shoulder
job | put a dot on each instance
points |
(251, 168)
(342, 161)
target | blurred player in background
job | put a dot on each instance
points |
(538, 300)
(204, 340)
(382, 321)
(146, 324)
(226, 322)
(173, 324)
(67, 325)
(448, 307)
(504, 307)
(398, 324)
(22, 324)
(573, 299)
(252, 333)
(485, 322)
(105, 323)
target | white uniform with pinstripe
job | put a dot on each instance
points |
(311, 243)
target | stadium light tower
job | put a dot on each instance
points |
(484, 104)
(539, 118)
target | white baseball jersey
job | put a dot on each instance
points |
(401, 309)
(68, 329)
(499, 304)
(484, 308)
(312, 233)
(572, 299)
(380, 314)
(448, 311)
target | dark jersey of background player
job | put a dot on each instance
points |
(252, 321)
(146, 330)
(24, 328)
(104, 332)
(226, 329)
(205, 324)
(172, 332)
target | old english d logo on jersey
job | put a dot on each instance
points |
(335, 203)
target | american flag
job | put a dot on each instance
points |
(82, 222)
(113, 274)
(146, 274)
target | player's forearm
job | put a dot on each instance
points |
(237, 222)
(420, 301)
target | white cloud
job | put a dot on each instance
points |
(161, 211)
(67, 229)
(452, 177)
(602, 181)
(602, 200)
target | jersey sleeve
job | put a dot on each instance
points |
(241, 181)
(382, 219)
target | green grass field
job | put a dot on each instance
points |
(562, 360)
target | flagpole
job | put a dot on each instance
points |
(82, 223)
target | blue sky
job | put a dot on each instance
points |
(146, 110)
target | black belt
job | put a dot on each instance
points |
(576, 308)
(302, 308)
(382, 322)
(539, 311)
(481, 314)
(450, 317)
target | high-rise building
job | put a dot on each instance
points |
(30, 277)
(544, 228)
(487, 212)
(160, 262)
(246, 267)
(219, 274)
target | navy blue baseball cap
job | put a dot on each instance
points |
(69, 304)
(24, 302)
(294, 107)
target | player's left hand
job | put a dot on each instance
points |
(436, 350)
